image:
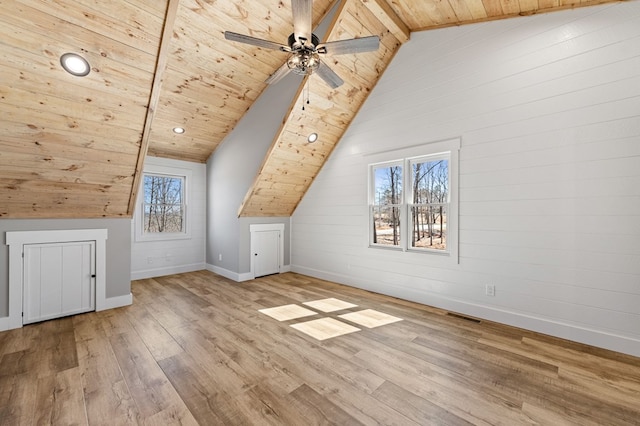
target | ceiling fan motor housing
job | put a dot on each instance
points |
(296, 45)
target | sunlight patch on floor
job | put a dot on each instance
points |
(370, 318)
(329, 305)
(287, 312)
(325, 328)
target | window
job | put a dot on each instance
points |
(162, 212)
(429, 202)
(411, 203)
(163, 206)
(387, 204)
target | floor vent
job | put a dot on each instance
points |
(451, 314)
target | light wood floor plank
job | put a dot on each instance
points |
(149, 387)
(107, 397)
(159, 342)
(60, 399)
(420, 410)
(194, 349)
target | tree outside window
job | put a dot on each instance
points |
(430, 201)
(163, 207)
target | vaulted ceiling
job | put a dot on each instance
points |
(75, 146)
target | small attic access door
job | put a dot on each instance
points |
(267, 248)
(18, 241)
(59, 280)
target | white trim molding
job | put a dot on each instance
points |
(117, 302)
(234, 276)
(170, 270)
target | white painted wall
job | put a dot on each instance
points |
(548, 111)
(157, 258)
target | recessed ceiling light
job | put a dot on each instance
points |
(178, 130)
(312, 137)
(75, 64)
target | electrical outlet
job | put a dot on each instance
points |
(149, 260)
(490, 290)
(219, 256)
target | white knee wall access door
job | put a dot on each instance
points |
(59, 280)
(266, 249)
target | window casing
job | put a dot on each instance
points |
(413, 200)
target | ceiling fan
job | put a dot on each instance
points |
(304, 47)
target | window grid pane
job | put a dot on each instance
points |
(429, 226)
(430, 181)
(386, 225)
(388, 185)
(163, 218)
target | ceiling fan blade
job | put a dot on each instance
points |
(354, 45)
(329, 77)
(278, 74)
(302, 17)
(241, 38)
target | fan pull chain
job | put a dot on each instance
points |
(307, 101)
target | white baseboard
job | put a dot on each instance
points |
(246, 276)
(169, 270)
(225, 272)
(589, 336)
(117, 302)
(4, 323)
(239, 277)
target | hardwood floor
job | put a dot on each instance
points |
(193, 349)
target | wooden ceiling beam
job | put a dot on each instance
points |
(154, 98)
(386, 15)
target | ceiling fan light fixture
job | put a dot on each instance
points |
(312, 137)
(303, 62)
(178, 130)
(75, 64)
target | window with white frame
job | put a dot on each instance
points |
(386, 205)
(428, 204)
(163, 206)
(413, 202)
(162, 212)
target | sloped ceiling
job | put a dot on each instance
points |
(75, 146)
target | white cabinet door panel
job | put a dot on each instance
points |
(59, 280)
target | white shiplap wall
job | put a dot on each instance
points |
(157, 258)
(548, 111)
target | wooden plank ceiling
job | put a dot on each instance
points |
(74, 146)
